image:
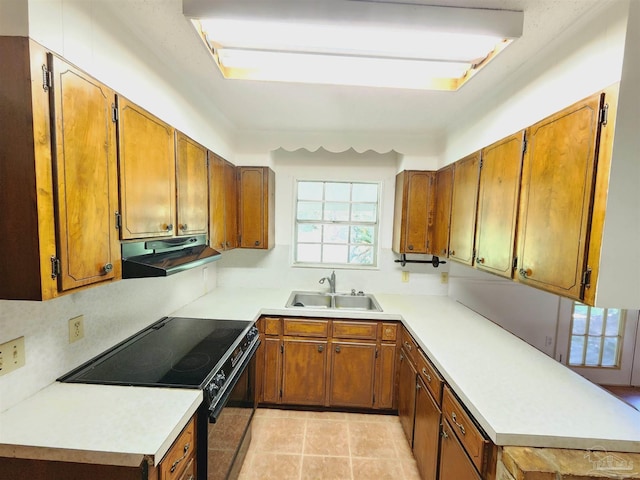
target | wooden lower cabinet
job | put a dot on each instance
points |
(327, 363)
(406, 394)
(304, 367)
(353, 368)
(454, 463)
(426, 437)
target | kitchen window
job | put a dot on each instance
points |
(336, 223)
(596, 336)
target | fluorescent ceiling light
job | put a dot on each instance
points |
(351, 42)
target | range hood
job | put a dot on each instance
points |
(163, 257)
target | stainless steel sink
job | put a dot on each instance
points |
(342, 301)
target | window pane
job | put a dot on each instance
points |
(613, 322)
(309, 232)
(308, 253)
(579, 323)
(336, 233)
(336, 211)
(360, 234)
(334, 253)
(361, 255)
(596, 321)
(575, 352)
(365, 192)
(339, 192)
(593, 351)
(610, 352)
(310, 191)
(363, 212)
(309, 211)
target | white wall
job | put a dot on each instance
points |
(266, 269)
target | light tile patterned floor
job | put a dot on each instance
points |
(296, 445)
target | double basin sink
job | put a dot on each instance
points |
(338, 301)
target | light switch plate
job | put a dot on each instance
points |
(12, 355)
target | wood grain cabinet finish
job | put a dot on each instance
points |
(223, 203)
(328, 363)
(454, 463)
(406, 393)
(414, 212)
(59, 220)
(180, 456)
(498, 197)
(463, 209)
(444, 195)
(426, 437)
(256, 207)
(192, 186)
(146, 148)
(557, 192)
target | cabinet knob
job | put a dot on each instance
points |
(107, 267)
(452, 252)
(169, 227)
(410, 247)
(480, 260)
(321, 348)
(183, 227)
(525, 272)
(338, 349)
(257, 242)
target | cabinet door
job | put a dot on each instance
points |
(353, 367)
(426, 436)
(230, 206)
(443, 194)
(414, 211)
(498, 205)
(463, 209)
(147, 173)
(272, 373)
(454, 463)
(216, 201)
(255, 205)
(386, 376)
(85, 166)
(406, 395)
(304, 372)
(557, 189)
(191, 186)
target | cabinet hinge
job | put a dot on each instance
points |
(47, 78)
(55, 266)
(524, 144)
(374, 399)
(280, 393)
(604, 114)
(481, 162)
(514, 265)
(281, 348)
(118, 220)
(586, 278)
(114, 113)
(239, 239)
(376, 353)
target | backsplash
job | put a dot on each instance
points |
(111, 313)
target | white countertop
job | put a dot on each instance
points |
(517, 394)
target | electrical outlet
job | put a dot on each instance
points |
(12, 355)
(76, 328)
(444, 277)
(405, 276)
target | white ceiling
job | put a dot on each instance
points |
(264, 106)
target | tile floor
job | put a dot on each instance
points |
(298, 445)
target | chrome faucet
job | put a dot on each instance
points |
(332, 282)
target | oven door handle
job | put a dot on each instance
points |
(214, 410)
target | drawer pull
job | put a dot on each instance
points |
(459, 425)
(175, 464)
(424, 372)
(407, 345)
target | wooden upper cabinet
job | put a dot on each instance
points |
(256, 207)
(147, 173)
(444, 191)
(557, 191)
(414, 212)
(463, 209)
(85, 165)
(498, 197)
(223, 203)
(192, 185)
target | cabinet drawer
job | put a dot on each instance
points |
(465, 429)
(409, 345)
(389, 332)
(359, 330)
(306, 328)
(430, 376)
(189, 472)
(271, 325)
(181, 452)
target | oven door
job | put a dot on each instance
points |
(225, 429)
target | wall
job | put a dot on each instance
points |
(261, 269)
